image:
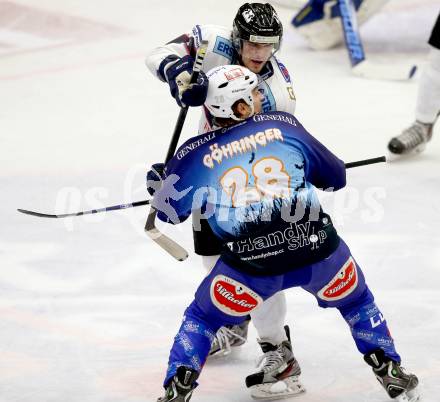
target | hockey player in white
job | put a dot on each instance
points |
(415, 137)
(253, 41)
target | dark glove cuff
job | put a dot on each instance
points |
(165, 62)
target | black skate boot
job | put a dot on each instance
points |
(181, 386)
(413, 138)
(399, 385)
(228, 337)
(278, 374)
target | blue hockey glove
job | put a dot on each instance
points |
(178, 76)
(154, 177)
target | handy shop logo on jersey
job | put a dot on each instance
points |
(296, 235)
(233, 298)
(342, 284)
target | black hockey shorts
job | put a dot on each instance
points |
(434, 39)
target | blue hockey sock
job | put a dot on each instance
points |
(191, 344)
(368, 326)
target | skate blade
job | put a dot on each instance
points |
(409, 396)
(288, 388)
(220, 354)
(420, 148)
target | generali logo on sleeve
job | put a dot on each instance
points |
(342, 284)
(233, 298)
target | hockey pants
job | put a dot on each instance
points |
(226, 296)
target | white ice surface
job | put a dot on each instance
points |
(89, 306)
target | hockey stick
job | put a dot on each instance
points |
(92, 211)
(362, 67)
(147, 202)
(364, 162)
(169, 245)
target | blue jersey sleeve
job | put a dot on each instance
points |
(322, 168)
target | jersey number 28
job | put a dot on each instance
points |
(270, 177)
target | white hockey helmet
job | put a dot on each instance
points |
(227, 85)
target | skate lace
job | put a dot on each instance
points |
(270, 361)
(413, 136)
(223, 338)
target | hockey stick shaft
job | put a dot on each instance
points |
(166, 243)
(362, 67)
(352, 37)
(365, 162)
(92, 211)
(147, 202)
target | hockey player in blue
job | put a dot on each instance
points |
(255, 180)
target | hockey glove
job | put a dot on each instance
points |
(154, 177)
(178, 76)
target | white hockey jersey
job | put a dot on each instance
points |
(276, 85)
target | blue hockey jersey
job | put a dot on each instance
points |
(254, 182)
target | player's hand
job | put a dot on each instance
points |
(154, 177)
(179, 76)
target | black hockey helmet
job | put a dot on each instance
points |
(257, 22)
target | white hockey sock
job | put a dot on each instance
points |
(269, 319)
(208, 261)
(428, 99)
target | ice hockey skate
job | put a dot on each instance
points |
(228, 337)
(278, 373)
(412, 139)
(400, 386)
(181, 386)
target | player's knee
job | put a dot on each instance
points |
(352, 304)
(363, 313)
(201, 313)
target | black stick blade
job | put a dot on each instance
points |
(39, 214)
(92, 211)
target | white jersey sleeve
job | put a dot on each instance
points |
(219, 52)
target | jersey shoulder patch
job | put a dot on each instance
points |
(284, 71)
(224, 47)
